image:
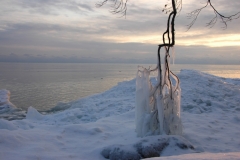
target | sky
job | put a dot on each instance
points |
(77, 31)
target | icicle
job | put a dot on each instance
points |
(160, 113)
(143, 108)
(173, 55)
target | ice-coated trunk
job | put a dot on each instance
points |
(157, 111)
(158, 106)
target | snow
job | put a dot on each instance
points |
(104, 124)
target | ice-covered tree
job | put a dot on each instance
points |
(158, 105)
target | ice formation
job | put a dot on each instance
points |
(5, 104)
(157, 106)
(33, 114)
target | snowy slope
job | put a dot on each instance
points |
(83, 128)
(211, 111)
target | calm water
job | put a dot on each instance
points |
(44, 85)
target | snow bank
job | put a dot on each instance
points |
(204, 93)
(210, 116)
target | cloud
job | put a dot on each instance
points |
(46, 7)
(105, 52)
(75, 31)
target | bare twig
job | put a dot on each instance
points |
(118, 6)
(224, 19)
(168, 7)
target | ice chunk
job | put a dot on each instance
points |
(5, 104)
(33, 114)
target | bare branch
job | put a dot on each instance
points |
(224, 19)
(178, 5)
(168, 7)
(118, 6)
(194, 15)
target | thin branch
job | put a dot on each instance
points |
(194, 15)
(118, 6)
(178, 6)
(100, 4)
(224, 19)
(168, 7)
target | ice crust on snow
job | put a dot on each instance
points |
(210, 117)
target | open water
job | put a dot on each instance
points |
(43, 85)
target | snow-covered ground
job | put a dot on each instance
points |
(104, 123)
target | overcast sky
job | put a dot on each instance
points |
(77, 31)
